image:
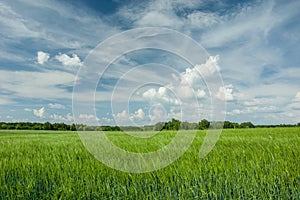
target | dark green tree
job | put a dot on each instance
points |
(203, 124)
(73, 127)
(3, 126)
(247, 125)
(47, 126)
(228, 124)
(174, 124)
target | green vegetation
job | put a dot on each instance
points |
(37, 126)
(173, 124)
(255, 163)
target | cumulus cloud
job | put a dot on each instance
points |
(86, 116)
(191, 81)
(160, 94)
(122, 118)
(194, 75)
(210, 67)
(105, 120)
(139, 114)
(42, 57)
(225, 93)
(39, 113)
(58, 117)
(158, 114)
(188, 84)
(69, 61)
(56, 106)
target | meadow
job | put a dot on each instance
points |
(260, 163)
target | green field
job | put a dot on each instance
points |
(245, 164)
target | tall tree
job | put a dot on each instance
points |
(204, 124)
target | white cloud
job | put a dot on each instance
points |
(39, 113)
(122, 118)
(69, 117)
(184, 91)
(202, 20)
(175, 113)
(165, 14)
(86, 116)
(43, 85)
(161, 94)
(195, 76)
(158, 114)
(188, 85)
(105, 120)
(297, 97)
(28, 109)
(150, 94)
(252, 109)
(155, 18)
(139, 114)
(17, 23)
(200, 93)
(68, 61)
(42, 57)
(56, 106)
(240, 24)
(225, 93)
(14, 23)
(5, 100)
(57, 117)
(272, 100)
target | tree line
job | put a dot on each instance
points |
(37, 126)
(173, 124)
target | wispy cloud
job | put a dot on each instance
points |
(56, 106)
(43, 85)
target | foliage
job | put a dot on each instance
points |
(245, 164)
(228, 124)
(174, 124)
(204, 124)
(37, 126)
(247, 125)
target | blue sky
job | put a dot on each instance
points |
(253, 44)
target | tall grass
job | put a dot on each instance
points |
(245, 164)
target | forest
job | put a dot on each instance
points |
(173, 124)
